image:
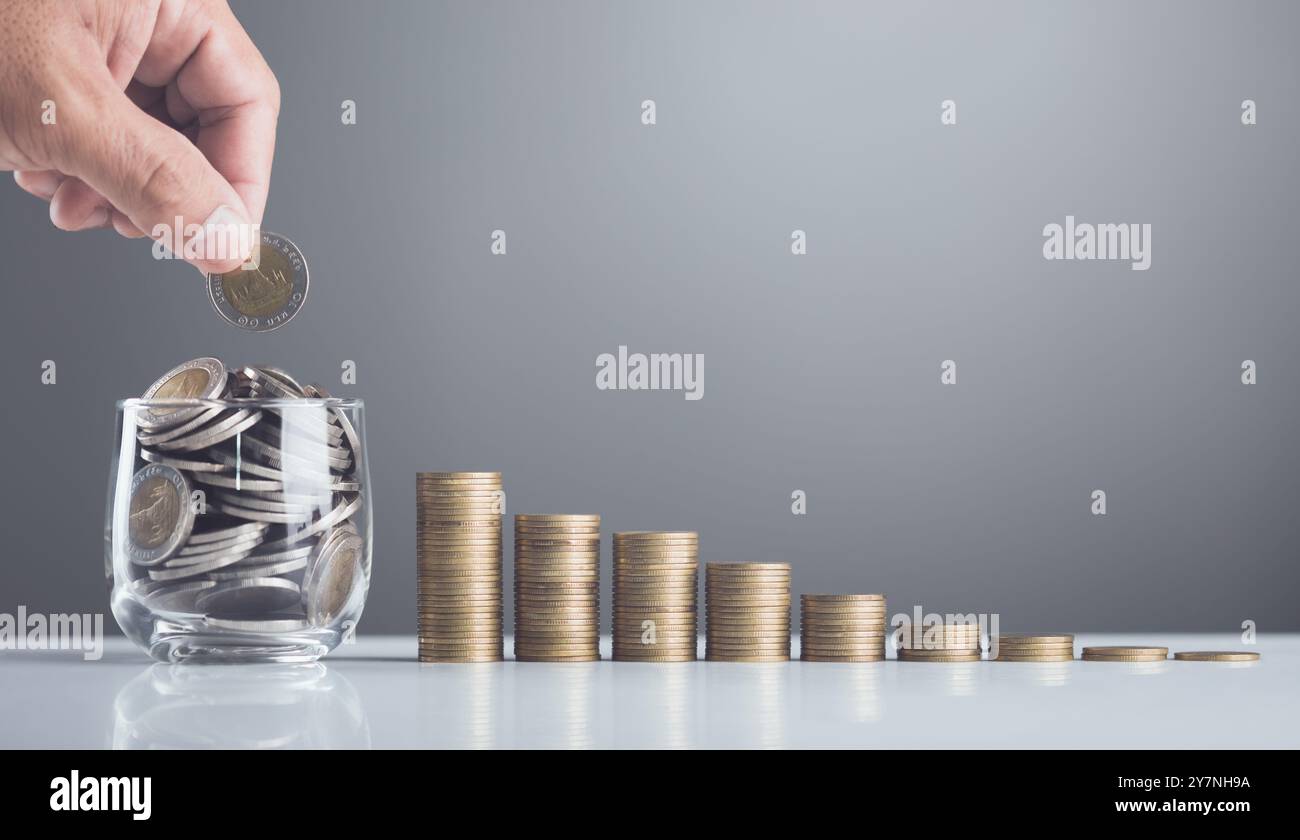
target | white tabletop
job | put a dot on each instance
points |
(374, 694)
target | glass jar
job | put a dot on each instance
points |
(239, 529)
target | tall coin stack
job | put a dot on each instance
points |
(458, 566)
(1055, 647)
(950, 642)
(656, 576)
(557, 588)
(747, 612)
(842, 628)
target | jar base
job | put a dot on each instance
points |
(192, 647)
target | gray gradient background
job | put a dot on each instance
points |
(822, 372)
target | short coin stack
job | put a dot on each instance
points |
(557, 588)
(948, 642)
(842, 628)
(1125, 654)
(1050, 647)
(656, 576)
(747, 612)
(1216, 656)
(458, 566)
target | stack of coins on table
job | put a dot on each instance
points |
(747, 612)
(1046, 647)
(458, 566)
(656, 577)
(1125, 654)
(842, 628)
(948, 642)
(557, 588)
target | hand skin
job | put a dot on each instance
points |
(163, 108)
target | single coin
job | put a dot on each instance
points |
(1035, 639)
(254, 625)
(221, 535)
(241, 570)
(250, 502)
(594, 657)
(199, 565)
(1216, 656)
(183, 463)
(807, 657)
(160, 518)
(335, 581)
(199, 379)
(243, 547)
(180, 597)
(252, 597)
(276, 382)
(755, 659)
(265, 297)
(656, 536)
(823, 598)
(261, 557)
(1062, 657)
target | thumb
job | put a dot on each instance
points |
(162, 182)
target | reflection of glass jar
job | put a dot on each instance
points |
(238, 529)
(304, 706)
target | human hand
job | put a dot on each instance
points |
(131, 113)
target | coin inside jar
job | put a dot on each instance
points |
(160, 515)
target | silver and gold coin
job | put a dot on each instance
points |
(266, 293)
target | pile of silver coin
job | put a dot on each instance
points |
(271, 543)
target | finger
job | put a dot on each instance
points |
(123, 225)
(221, 79)
(41, 183)
(76, 206)
(159, 180)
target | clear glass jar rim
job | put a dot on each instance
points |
(244, 402)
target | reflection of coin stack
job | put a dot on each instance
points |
(557, 588)
(1056, 647)
(842, 628)
(655, 581)
(458, 560)
(951, 642)
(748, 612)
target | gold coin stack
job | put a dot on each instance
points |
(747, 612)
(458, 566)
(1125, 654)
(950, 642)
(842, 628)
(656, 575)
(1021, 647)
(557, 588)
